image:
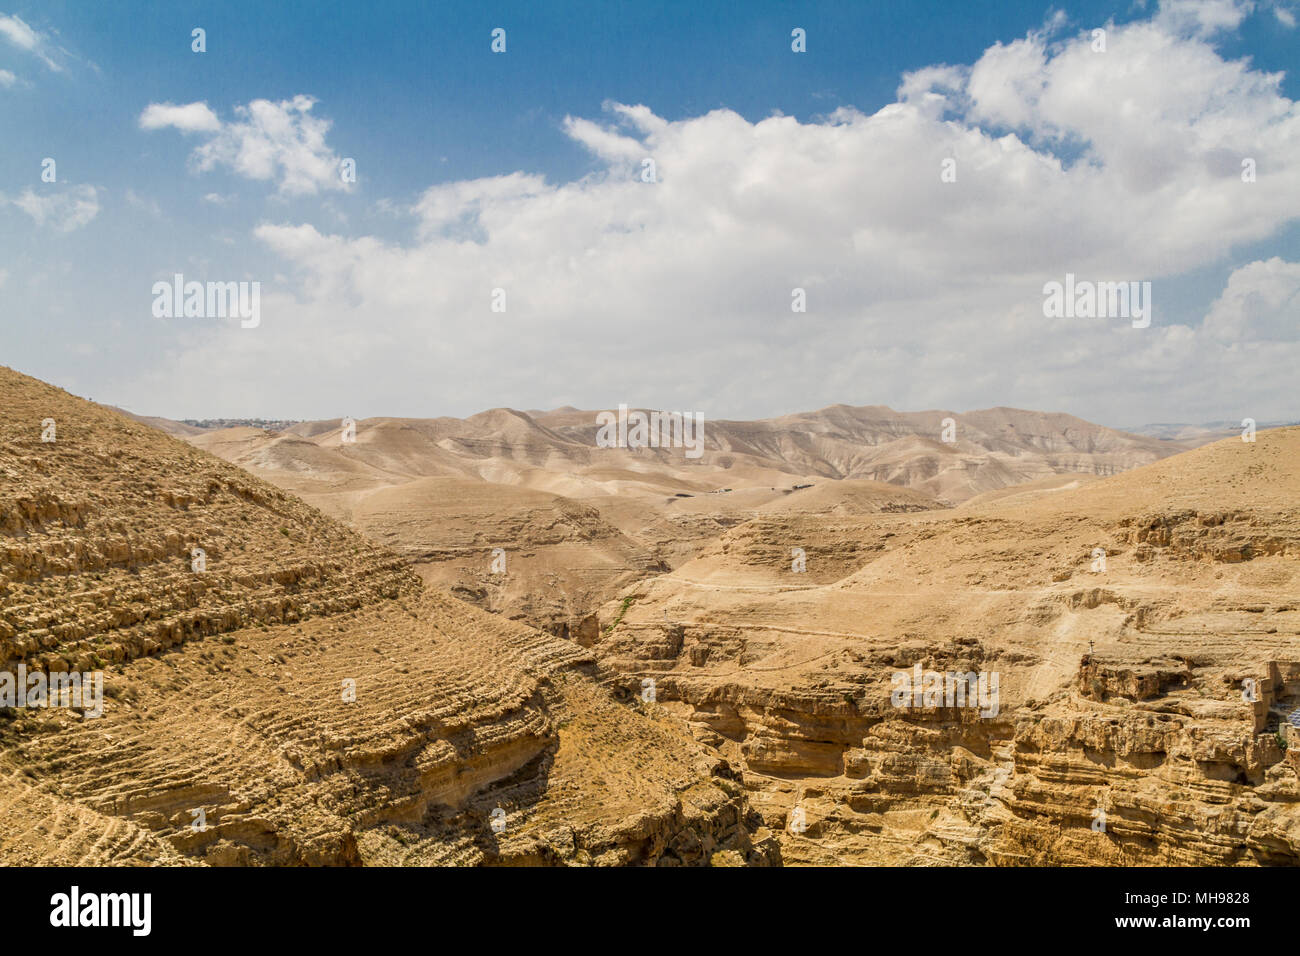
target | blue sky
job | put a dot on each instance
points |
(413, 93)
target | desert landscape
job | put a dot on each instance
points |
(490, 641)
(446, 437)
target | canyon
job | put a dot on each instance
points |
(635, 658)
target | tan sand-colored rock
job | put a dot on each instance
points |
(1135, 600)
(301, 698)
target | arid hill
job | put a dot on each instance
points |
(579, 522)
(979, 451)
(279, 690)
(557, 451)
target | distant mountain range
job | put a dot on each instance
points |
(949, 455)
(1202, 433)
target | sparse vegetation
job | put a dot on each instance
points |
(627, 603)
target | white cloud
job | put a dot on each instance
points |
(18, 33)
(1202, 17)
(933, 89)
(921, 293)
(1261, 303)
(7, 79)
(442, 207)
(282, 142)
(190, 118)
(62, 209)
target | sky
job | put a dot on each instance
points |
(921, 171)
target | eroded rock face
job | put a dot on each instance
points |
(103, 530)
(298, 696)
(1146, 636)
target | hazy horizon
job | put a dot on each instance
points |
(802, 411)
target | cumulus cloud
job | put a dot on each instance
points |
(1123, 165)
(281, 142)
(1261, 303)
(462, 203)
(62, 209)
